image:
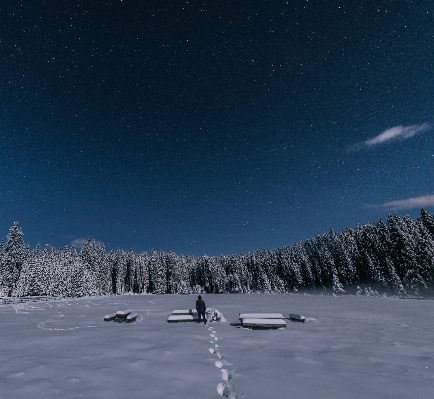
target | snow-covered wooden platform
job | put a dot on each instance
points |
(262, 320)
(263, 323)
(297, 317)
(261, 316)
(182, 318)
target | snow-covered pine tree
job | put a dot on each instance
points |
(58, 276)
(274, 270)
(302, 258)
(427, 220)
(94, 260)
(330, 276)
(290, 269)
(312, 249)
(76, 284)
(157, 273)
(233, 268)
(368, 241)
(16, 253)
(345, 268)
(209, 273)
(171, 272)
(181, 277)
(33, 279)
(142, 272)
(402, 234)
(130, 273)
(4, 289)
(425, 254)
(117, 264)
(259, 269)
(384, 247)
(241, 272)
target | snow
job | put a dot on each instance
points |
(349, 347)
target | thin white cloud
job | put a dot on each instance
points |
(409, 203)
(397, 133)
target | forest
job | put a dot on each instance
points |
(392, 257)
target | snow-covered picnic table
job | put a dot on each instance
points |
(121, 315)
(261, 316)
(262, 320)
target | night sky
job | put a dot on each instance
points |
(209, 127)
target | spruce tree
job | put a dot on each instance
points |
(427, 220)
(16, 254)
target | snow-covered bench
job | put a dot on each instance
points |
(121, 315)
(110, 317)
(297, 317)
(262, 320)
(131, 317)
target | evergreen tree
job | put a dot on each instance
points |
(402, 232)
(34, 276)
(427, 220)
(16, 253)
(94, 260)
(157, 273)
(4, 289)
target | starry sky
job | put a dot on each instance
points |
(210, 127)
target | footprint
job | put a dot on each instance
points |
(226, 375)
(216, 346)
(212, 350)
(226, 390)
(212, 335)
(219, 364)
(221, 388)
(219, 354)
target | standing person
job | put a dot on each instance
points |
(201, 308)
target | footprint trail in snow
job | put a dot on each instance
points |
(226, 388)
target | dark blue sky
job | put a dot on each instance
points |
(212, 127)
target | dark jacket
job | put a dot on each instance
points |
(200, 305)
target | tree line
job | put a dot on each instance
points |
(395, 256)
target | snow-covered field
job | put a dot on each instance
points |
(349, 347)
